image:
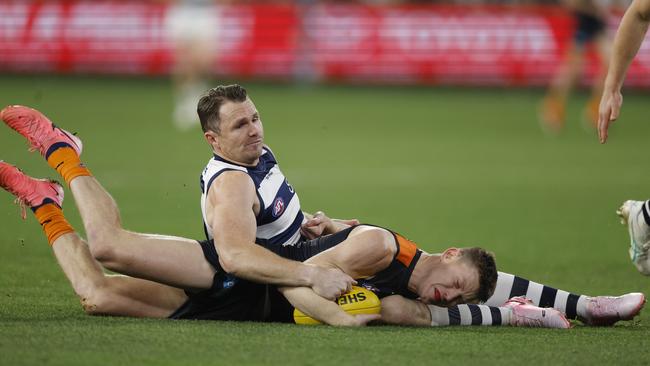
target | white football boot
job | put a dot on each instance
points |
(607, 310)
(632, 214)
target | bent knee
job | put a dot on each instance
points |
(97, 301)
(105, 247)
(391, 311)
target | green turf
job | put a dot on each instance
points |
(442, 166)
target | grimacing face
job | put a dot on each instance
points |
(456, 281)
(241, 134)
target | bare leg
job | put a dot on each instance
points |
(174, 261)
(567, 74)
(399, 310)
(102, 294)
(552, 112)
(194, 30)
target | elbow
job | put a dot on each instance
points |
(232, 263)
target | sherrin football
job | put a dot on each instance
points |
(358, 301)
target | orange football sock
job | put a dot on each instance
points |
(66, 161)
(51, 218)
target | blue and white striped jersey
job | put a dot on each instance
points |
(280, 216)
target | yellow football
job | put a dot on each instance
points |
(358, 301)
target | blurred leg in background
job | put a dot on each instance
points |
(590, 20)
(192, 27)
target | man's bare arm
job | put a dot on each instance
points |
(367, 251)
(326, 311)
(230, 205)
(628, 39)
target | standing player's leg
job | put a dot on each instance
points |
(100, 294)
(553, 108)
(636, 215)
(597, 310)
(174, 261)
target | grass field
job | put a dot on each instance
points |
(442, 166)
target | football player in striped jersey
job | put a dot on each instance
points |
(220, 288)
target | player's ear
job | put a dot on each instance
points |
(212, 138)
(450, 254)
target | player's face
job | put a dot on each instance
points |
(455, 282)
(241, 135)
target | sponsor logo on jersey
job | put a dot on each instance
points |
(278, 207)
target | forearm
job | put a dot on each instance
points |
(255, 263)
(628, 39)
(307, 301)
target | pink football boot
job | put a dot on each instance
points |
(41, 133)
(29, 191)
(525, 314)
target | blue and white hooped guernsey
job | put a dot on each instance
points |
(280, 216)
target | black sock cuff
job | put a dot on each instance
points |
(45, 202)
(55, 147)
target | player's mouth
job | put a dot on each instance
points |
(254, 143)
(436, 295)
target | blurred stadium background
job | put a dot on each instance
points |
(420, 116)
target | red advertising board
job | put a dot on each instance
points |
(464, 45)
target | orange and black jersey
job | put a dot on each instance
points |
(395, 278)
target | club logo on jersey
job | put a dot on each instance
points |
(278, 207)
(228, 282)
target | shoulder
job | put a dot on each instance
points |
(379, 240)
(232, 186)
(370, 249)
(214, 169)
(216, 165)
(233, 180)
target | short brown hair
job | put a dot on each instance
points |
(487, 270)
(210, 104)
